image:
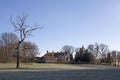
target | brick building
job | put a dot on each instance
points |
(56, 57)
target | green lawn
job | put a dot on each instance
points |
(58, 72)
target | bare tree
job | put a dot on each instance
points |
(69, 50)
(29, 50)
(114, 56)
(103, 49)
(7, 41)
(109, 58)
(94, 49)
(91, 48)
(118, 58)
(98, 50)
(24, 31)
(2, 57)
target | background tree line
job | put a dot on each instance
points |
(94, 53)
(8, 44)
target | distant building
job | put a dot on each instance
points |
(56, 57)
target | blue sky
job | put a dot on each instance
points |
(66, 22)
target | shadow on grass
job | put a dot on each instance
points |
(96, 74)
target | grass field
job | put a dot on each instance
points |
(59, 72)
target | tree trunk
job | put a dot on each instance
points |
(18, 59)
(115, 60)
(118, 61)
